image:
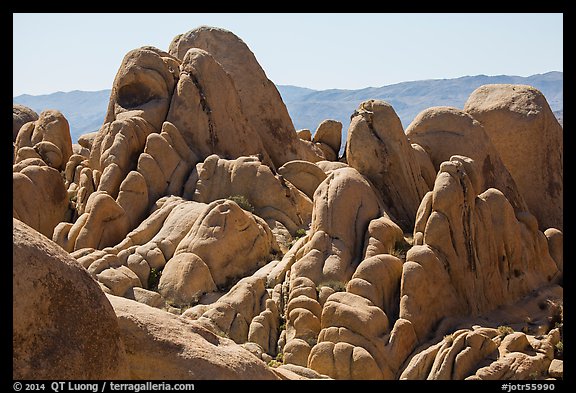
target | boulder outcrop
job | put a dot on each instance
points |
(528, 137)
(378, 148)
(63, 325)
(474, 247)
(21, 115)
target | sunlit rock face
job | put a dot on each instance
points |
(216, 242)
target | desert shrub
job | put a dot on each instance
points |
(154, 278)
(242, 201)
(503, 331)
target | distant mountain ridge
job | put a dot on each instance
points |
(85, 110)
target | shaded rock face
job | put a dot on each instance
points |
(63, 325)
(526, 134)
(232, 247)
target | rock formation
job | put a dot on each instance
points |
(201, 237)
(63, 326)
(21, 115)
(474, 247)
(39, 197)
(151, 337)
(526, 134)
(377, 148)
(271, 197)
(444, 131)
(47, 138)
(260, 100)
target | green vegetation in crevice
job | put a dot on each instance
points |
(242, 201)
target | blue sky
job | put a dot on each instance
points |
(64, 52)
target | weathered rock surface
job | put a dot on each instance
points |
(526, 134)
(197, 247)
(47, 138)
(161, 346)
(444, 131)
(233, 247)
(378, 148)
(476, 250)
(63, 325)
(207, 109)
(260, 100)
(304, 175)
(21, 115)
(462, 355)
(39, 198)
(270, 195)
(329, 132)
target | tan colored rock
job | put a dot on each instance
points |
(150, 298)
(260, 100)
(162, 346)
(304, 134)
(378, 148)
(379, 352)
(184, 279)
(39, 198)
(344, 205)
(359, 315)
(425, 163)
(556, 246)
(230, 241)
(526, 134)
(49, 136)
(445, 131)
(21, 115)
(330, 166)
(119, 280)
(63, 326)
(264, 328)
(232, 313)
(103, 224)
(115, 150)
(556, 369)
(271, 196)
(207, 109)
(382, 237)
(86, 140)
(80, 150)
(327, 152)
(300, 372)
(304, 175)
(143, 87)
(514, 366)
(456, 357)
(166, 163)
(196, 246)
(330, 133)
(378, 279)
(474, 248)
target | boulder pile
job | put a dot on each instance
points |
(198, 235)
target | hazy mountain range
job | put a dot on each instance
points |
(85, 110)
